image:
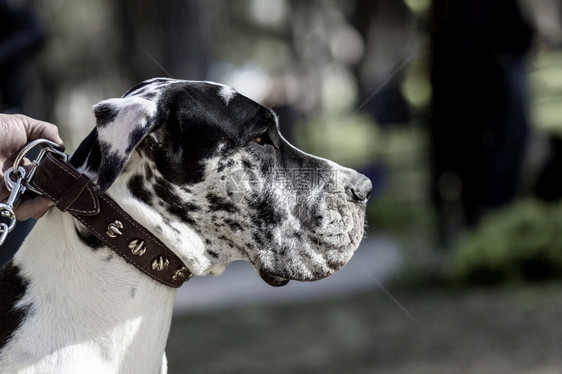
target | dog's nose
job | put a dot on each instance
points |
(360, 188)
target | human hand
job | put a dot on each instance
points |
(16, 131)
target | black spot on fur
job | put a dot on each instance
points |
(218, 203)
(164, 190)
(172, 169)
(109, 258)
(105, 113)
(228, 241)
(12, 289)
(110, 168)
(136, 136)
(266, 166)
(213, 254)
(308, 213)
(133, 292)
(257, 238)
(88, 238)
(247, 164)
(234, 226)
(169, 224)
(148, 171)
(222, 165)
(172, 203)
(89, 150)
(266, 214)
(137, 187)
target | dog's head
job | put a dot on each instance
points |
(207, 171)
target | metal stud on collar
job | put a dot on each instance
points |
(137, 247)
(181, 274)
(160, 264)
(114, 229)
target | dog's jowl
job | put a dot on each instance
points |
(207, 172)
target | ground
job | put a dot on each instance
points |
(497, 330)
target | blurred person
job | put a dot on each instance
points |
(549, 184)
(387, 29)
(20, 37)
(479, 127)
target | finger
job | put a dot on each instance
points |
(6, 165)
(36, 129)
(4, 193)
(33, 208)
(26, 164)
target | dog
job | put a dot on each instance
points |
(205, 170)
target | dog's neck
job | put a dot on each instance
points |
(176, 235)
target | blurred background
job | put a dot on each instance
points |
(452, 107)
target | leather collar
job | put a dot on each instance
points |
(75, 193)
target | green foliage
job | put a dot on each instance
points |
(386, 213)
(545, 80)
(519, 243)
(351, 140)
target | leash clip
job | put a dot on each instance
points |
(22, 181)
(7, 209)
(48, 146)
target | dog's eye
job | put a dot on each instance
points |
(263, 139)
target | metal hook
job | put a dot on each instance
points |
(4, 230)
(21, 184)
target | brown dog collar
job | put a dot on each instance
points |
(75, 193)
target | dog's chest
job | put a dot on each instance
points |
(69, 310)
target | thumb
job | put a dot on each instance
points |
(36, 129)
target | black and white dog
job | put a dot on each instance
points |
(206, 171)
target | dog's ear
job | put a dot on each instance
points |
(121, 124)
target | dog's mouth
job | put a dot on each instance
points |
(313, 255)
(273, 280)
(307, 271)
